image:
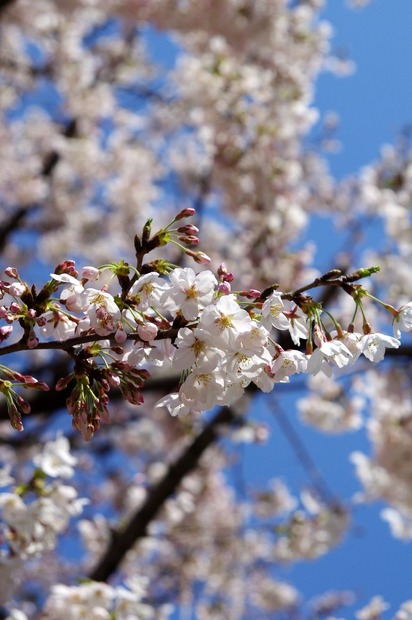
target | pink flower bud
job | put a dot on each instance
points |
(11, 272)
(14, 307)
(5, 332)
(90, 273)
(28, 379)
(41, 386)
(224, 274)
(32, 341)
(251, 293)
(188, 229)
(23, 405)
(189, 240)
(185, 213)
(63, 383)
(199, 257)
(147, 331)
(120, 335)
(67, 266)
(114, 380)
(117, 350)
(225, 288)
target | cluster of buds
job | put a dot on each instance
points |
(16, 404)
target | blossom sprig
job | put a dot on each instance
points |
(117, 320)
(88, 400)
(180, 236)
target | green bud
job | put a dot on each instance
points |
(364, 272)
(147, 229)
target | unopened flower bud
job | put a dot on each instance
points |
(5, 332)
(147, 229)
(188, 229)
(67, 266)
(90, 273)
(117, 350)
(225, 288)
(114, 380)
(120, 335)
(250, 294)
(32, 341)
(147, 331)
(185, 213)
(199, 257)
(189, 240)
(23, 405)
(11, 272)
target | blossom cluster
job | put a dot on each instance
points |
(116, 320)
(36, 512)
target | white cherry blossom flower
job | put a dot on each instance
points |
(55, 459)
(56, 325)
(403, 322)
(288, 363)
(255, 341)
(175, 405)
(225, 321)
(195, 348)
(405, 611)
(71, 294)
(101, 309)
(189, 292)
(297, 322)
(333, 352)
(373, 346)
(272, 312)
(148, 290)
(373, 609)
(400, 525)
(202, 390)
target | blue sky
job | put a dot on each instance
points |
(376, 101)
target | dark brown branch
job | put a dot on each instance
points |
(5, 3)
(51, 159)
(14, 221)
(124, 539)
(66, 345)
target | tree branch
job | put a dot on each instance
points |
(5, 3)
(124, 539)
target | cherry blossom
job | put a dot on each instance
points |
(55, 459)
(403, 320)
(332, 352)
(189, 292)
(373, 346)
(272, 312)
(121, 141)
